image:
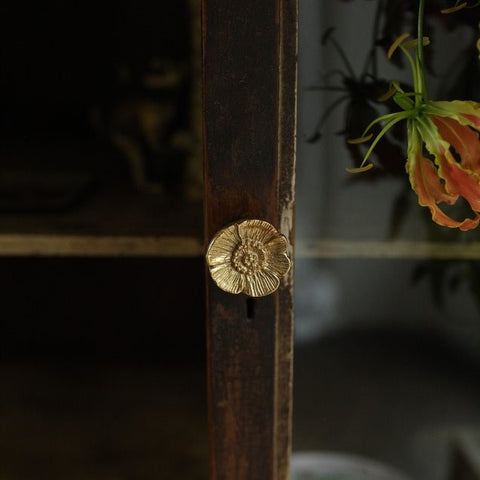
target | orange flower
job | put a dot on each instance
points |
(449, 131)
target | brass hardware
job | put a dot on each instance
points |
(248, 257)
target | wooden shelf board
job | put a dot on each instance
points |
(98, 246)
(398, 249)
(110, 222)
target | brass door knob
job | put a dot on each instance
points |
(248, 257)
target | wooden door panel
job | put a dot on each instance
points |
(249, 74)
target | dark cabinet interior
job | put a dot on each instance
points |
(102, 338)
(102, 368)
(99, 112)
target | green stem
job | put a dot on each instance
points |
(416, 75)
(420, 57)
(399, 116)
(372, 56)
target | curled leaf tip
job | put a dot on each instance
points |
(365, 168)
(399, 40)
(355, 141)
(456, 8)
(388, 94)
(414, 42)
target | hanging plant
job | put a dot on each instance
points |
(443, 153)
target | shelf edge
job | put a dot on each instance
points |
(44, 245)
(398, 249)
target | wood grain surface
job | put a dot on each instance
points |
(249, 74)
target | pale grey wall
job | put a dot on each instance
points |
(338, 294)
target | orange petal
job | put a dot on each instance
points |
(426, 182)
(475, 119)
(431, 191)
(459, 181)
(463, 139)
(464, 111)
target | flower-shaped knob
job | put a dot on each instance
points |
(248, 257)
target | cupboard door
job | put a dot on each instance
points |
(249, 75)
(387, 312)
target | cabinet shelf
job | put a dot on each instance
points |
(118, 106)
(54, 245)
(113, 222)
(395, 249)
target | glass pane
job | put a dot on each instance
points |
(100, 115)
(102, 371)
(387, 314)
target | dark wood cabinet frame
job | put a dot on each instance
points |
(249, 93)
